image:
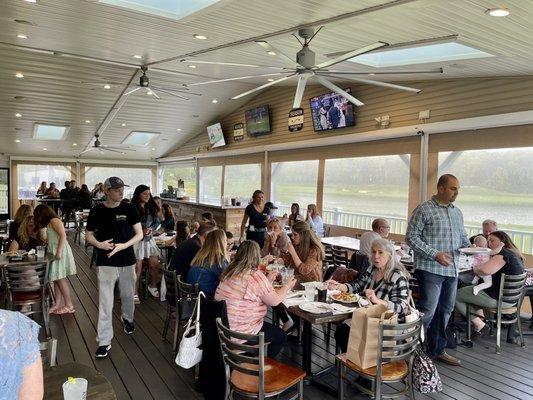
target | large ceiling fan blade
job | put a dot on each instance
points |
(131, 91)
(151, 92)
(302, 81)
(384, 84)
(324, 82)
(262, 87)
(119, 149)
(236, 78)
(271, 50)
(172, 94)
(161, 89)
(87, 150)
(350, 54)
(389, 72)
(111, 150)
(193, 61)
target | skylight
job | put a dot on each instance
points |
(137, 138)
(175, 9)
(50, 132)
(427, 53)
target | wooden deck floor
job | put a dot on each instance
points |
(141, 366)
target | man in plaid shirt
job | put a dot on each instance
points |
(436, 232)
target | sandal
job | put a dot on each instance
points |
(53, 309)
(65, 310)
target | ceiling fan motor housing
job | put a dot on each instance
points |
(144, 82)
(306, 57)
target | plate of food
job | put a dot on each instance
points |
(315, 307)
(346, 297)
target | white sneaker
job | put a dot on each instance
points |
(153, 291)
(136, 299)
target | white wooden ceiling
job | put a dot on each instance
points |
(53, 91)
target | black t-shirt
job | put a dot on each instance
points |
(257, 219)
(13, 230)
(117, 224)
(513, 266)
(183, 255)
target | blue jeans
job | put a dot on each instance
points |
(436, 301)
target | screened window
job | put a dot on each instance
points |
(173, 173)
(210, 185)
(357, 190)
(294, 182)
(242, 180)
(31, 176)
(131, 176)
(495, 184)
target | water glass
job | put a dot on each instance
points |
(75, 389)
(310, 293)
(40, 251)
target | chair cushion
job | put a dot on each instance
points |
(278, 377)
(389, 371)
(26, 296)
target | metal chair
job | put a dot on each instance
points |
(511, 293)
(340, 256)
(528, 292)
(396, 345)
(249, 373)
(49, 352)
(27, 285)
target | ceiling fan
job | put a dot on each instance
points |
(305, 68)
(151, 90)
(97, 145)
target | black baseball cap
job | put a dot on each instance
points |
(270, 205)
(114, 183)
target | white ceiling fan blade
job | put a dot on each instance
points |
(173, 94)
(131, 91)
(193, 61)
(271, 50)
(175, 90)
(384, 84)
(302, 81)
(350, 54)
(111, 150)
(263, 86)
(389, 72)
(324, 82)
(152, 92)
(236, 79)
(87, 150)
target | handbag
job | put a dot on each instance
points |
(189, 352)
(186, 307)
(425, 377)
(413, 314)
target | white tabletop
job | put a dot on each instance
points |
(342, 241)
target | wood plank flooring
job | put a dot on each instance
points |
(141, 366)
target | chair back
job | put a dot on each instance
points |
(511, 289)
(186, 289)
(397, 342)
(340, 256)
(171, 282)
(26, 278)
(328, 252)
(359, 262)
(247, 358)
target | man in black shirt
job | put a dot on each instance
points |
(113, 228)
(186, 250)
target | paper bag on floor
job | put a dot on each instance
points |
(364, 329)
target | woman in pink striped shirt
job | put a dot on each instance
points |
(247, 293)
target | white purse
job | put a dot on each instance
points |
(189, 352)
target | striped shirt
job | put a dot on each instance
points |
(244, 304)
(435, 228)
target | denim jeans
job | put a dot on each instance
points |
(436, 301)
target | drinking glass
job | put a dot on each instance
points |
(310, 293)
(75, 389)
(40, 251)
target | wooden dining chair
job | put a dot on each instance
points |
(340, 256)
(396, 345)
(512, 293)
(249, 373)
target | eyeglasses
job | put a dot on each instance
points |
(385, 227)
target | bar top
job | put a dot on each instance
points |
(193, 203)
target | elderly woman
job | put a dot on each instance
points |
(276, 240)
(385, 281)
(506, 259)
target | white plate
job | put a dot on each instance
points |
(474, 250)
(315, 307)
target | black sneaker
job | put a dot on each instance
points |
(102, 351)
(129, 327)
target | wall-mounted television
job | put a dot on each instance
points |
(216, 136)
(257, 121)
(331, 111)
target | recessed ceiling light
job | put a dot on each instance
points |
(271, 53)
(74, 144)
(17, 140)
(122, 152)
(153, 148)
(270, 80)
(371, 74)
(22, 36)
(44, 148)
(106, 86)
(192, 66)
(214, 101)
(179, 129)
(123, 124)
(19, 75)
(138, 57)
(149, 92)
(200, 37)
(87, 121)
(18, 115)
(31, 1)
(498, 12)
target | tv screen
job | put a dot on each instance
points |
(257, 121)
(331, 111)
(216, 137)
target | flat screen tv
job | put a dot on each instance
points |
(331, 111)
(216, 137)
(257, 121)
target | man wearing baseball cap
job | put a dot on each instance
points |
(113, 227)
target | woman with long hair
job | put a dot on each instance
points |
(255, 214)
(23, 212)
(168, 217)
(505, 259)
(42, 188)
(148, 210)
(295, 215)
(27, 237)
(209, 262)
(305, 254)
(315, 220)
(247, 292)
(63, 264)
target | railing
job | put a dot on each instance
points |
(522, 239)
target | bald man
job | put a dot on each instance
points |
(380, 229)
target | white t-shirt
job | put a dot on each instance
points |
(365, 243)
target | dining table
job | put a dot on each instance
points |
(98, 387)
(344, 242)
(30, 259)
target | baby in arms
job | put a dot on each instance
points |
(480, 241)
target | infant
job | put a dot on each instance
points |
(480, 241)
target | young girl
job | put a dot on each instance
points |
(63, 264)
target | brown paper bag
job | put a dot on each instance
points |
(363, 340)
